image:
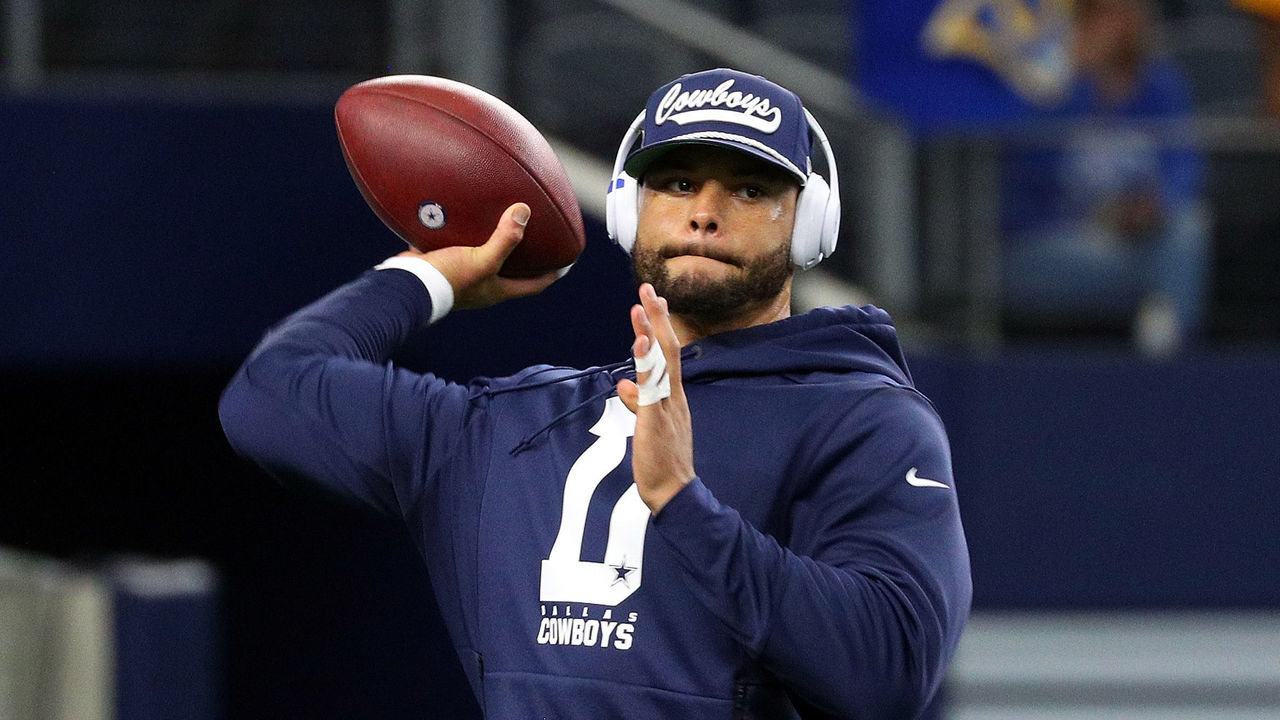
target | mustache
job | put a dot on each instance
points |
(698, 250)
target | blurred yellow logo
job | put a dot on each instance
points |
(1024, 42)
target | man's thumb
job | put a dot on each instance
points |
(508, 234)
(520, 214)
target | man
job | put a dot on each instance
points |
(761, 524)
(1107, 225)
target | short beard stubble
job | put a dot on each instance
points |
(698, 297)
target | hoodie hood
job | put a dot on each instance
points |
(825, 341)
(822, 345)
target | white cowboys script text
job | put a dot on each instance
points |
(746, 109)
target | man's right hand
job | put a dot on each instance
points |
(473, 271)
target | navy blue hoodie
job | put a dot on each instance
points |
(815, 568)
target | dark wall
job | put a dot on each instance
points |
(149, 243)
(145, 231)
(1098, 480)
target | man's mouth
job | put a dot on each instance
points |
(709, 253)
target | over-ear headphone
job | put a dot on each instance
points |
(817, 223)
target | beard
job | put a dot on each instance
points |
(697, 296)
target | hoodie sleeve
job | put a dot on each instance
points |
(861, 611)
(317, 398)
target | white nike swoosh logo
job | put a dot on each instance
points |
(918, 481)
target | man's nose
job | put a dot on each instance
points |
(708, 209)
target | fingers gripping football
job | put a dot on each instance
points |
(472, 272)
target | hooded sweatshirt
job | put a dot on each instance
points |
(815, 568)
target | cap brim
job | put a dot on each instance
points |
(638, 162)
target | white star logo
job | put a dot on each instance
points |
(431, 215)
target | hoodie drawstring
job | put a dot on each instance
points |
(609, 370)
(613, 370)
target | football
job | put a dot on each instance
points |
(439, 161)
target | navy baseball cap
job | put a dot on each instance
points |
(727, 108)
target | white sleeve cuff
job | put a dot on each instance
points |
(437, 286)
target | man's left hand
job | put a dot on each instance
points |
(662, 449)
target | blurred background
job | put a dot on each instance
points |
(1072, 209)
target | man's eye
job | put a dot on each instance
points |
(751, 192)
(680, 185)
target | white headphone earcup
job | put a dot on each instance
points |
(809, 241)
(622, 202)
(621, 211)
(610, 215)
(830, 223)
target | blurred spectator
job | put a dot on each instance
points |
(1268, 14)
(1103, 218)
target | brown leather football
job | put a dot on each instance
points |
(439, 161)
